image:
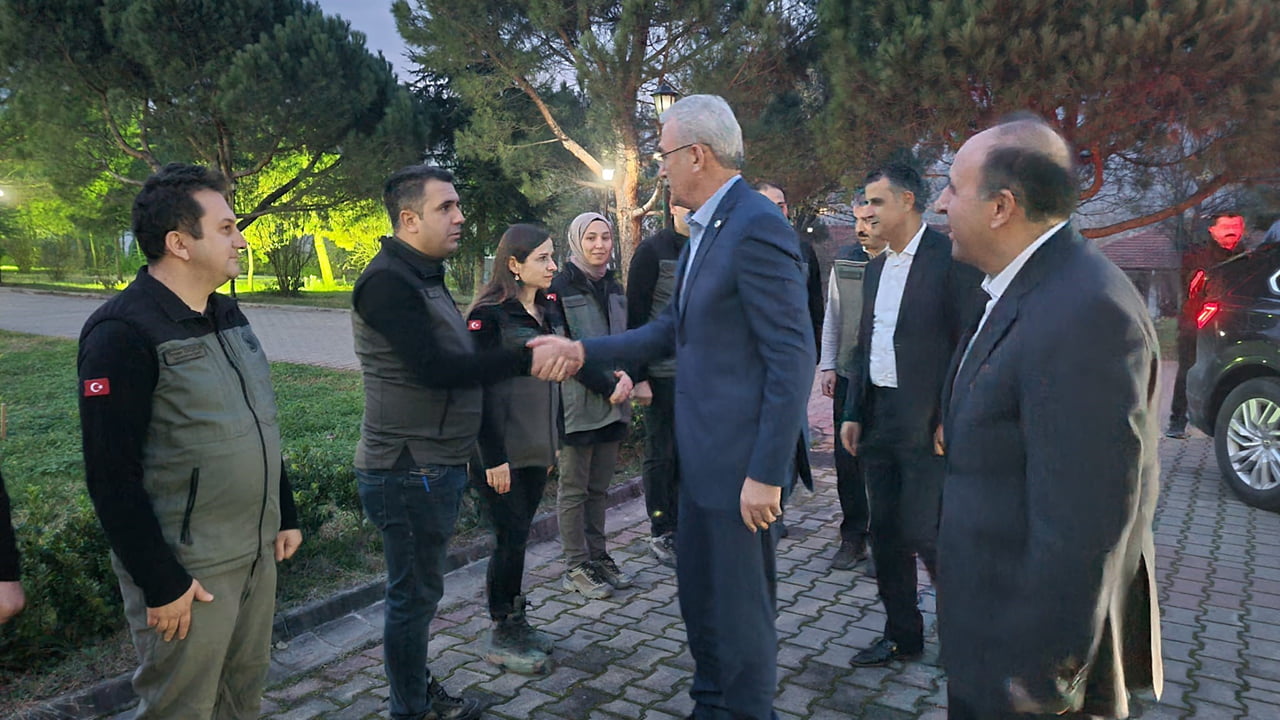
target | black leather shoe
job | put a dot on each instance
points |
(881, 653)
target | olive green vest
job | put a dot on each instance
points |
(437, 426)
(532, 407)
(664, 290)
(583, 409)
(211, 458)
(849, 277)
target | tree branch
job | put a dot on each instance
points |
(1096, 161)
(266, 202)
(118, 136)
(1205, 191)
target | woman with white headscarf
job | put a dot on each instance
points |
(595, 406)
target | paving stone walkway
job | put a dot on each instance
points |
(1218, 566)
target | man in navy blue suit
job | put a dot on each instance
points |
(746, 362)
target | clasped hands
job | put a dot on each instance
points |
(555, 358)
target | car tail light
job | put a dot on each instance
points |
(1196, 284)
(1207, 311)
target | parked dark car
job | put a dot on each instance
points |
(1233, 390)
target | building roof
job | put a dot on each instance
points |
(1145, 249)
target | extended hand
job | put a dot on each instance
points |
(850, 433)
(760, 504)
(287, 543)
(829, 383)
(175, 618)
(499, 478)
(642, 393)
(12, 600)
(555, 358)
(621, 391)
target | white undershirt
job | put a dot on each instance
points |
(884, 320)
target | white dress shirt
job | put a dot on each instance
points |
(996, 286)
(884, 319)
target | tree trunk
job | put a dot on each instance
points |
(626, 192)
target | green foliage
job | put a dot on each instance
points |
(72, 593)
(548, 83)
(1133, 84)
(245, 86)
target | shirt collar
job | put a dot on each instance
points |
(167, 299)
(912, 247)
(996, 286)
(703, 215)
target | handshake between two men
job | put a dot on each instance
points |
(556, 358)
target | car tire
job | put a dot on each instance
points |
(1246, 440)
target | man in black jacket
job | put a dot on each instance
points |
(423, 397)
(1226, 232)
(915, 302)
(650, 287)
(12, 599)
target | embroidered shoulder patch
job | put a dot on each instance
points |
(474, 325)
(96, 387)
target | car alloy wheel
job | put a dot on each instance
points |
(1253, 443)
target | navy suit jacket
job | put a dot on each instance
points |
(1045, 553)
(744, 345)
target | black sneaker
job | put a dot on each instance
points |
(447, 707)
(849, 555)
(664, 548)
(881, 653)
(1176, 430)
(612, 574)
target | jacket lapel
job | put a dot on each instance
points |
(1006, 310)
(709, 236)
(921, 267)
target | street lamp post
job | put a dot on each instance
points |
(664, 96)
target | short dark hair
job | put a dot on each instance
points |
(903, 177)
(165, 203)
(1043, 187)
(766, 184)
(405, 187)
(1213, 220)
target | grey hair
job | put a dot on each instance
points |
(708, 120)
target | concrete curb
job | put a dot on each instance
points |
(113, 695)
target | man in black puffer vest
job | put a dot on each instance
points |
(423, 389)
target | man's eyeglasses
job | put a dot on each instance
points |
(660, 157)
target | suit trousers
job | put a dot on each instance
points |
(851, 486)
(1186, 358)
(728, 596)
(661, 467)
(904, 487)
(959, 710)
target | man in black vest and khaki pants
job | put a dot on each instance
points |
(423, 395)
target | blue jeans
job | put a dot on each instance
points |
(416, 511)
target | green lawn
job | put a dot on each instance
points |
(71, 630)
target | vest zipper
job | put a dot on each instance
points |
(444, 415)
(185, 536)
(262, 441)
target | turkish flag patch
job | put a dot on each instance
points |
(551, 297)
(99, 386)
(474, 325)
